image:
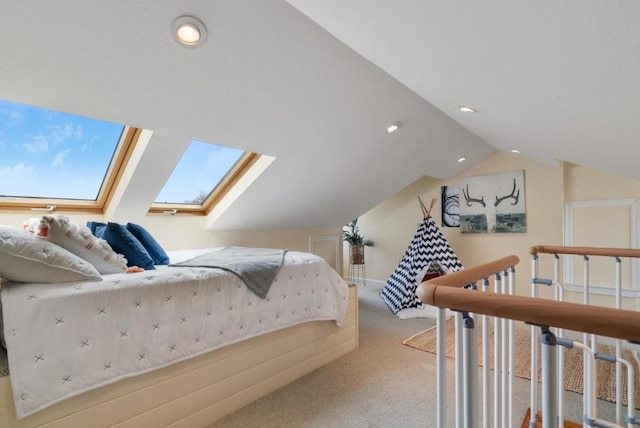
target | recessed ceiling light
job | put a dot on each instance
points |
(188, 34)
(188, 31)
(462, 159)
(516, 151)
(466, 109)
(393, 127)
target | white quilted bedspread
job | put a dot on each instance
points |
(65, 339)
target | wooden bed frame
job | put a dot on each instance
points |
(197, 392)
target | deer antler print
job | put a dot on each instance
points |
(469, 199)
(513, 195)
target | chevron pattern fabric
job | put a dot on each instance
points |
(429, 252)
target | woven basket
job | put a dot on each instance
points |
(356, 254)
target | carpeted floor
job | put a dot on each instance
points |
(573, 361)
(381, 384)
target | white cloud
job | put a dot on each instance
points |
(56, 135)
(19, 180)
(15, 117)
(16, 173)
(89, 145)
(58, 159)
(39, 144)
(77, 132)
(60, 133)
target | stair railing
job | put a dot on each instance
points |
(458, 291)
(563, 258)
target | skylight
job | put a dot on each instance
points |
(69, 162)
(49, 154)
(204, 173)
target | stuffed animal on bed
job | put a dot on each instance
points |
(31, 225)
(77, 239)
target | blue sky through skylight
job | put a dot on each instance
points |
(49, 154)
(199, 171)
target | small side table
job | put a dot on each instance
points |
(356, 272)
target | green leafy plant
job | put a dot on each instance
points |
(351, 235)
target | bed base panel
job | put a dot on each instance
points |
(217, 411)
(183, 407)
(197, 392)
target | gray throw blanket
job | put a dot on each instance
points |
(257, 267)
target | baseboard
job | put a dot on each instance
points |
(426, 312)
(372, 284)
(376, 285)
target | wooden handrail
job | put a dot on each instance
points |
(447, 292)
(476, 273)
(585, 251)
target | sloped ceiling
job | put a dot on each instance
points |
(558, 80)
(554, 79)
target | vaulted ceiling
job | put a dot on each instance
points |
(554, 79)
(315, 83)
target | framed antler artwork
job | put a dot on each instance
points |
(450, 201)
(493, 203)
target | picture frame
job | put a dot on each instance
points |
(493, 203)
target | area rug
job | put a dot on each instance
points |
(426, 341)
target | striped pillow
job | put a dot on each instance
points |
(80, 241)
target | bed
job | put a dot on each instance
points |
(108, 364)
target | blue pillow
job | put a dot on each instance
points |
(96, 228)
(123, 242)
(152, 246)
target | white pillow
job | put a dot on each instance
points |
(27, 258)
(81, 242)
(31, 225)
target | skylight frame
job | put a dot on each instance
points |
(124, 148)
(237, 171)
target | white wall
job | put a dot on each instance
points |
(393, 223)
(185, 231)
(180, 232)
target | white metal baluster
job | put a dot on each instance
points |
(561, 350)
(559, 295)
(593, 370)
(630, 393)
(512, 351)
(505, 356)
(470, 371)
(618, 345)
(630, 396)
(441, 384)
(585, 337)
(458, 372)
(549, 379)
(485, 363)
(497, 336)
(534, 350)
(589, 382)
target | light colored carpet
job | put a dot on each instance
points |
(381, 384)
(573, 381)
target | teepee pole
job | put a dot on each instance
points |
(426, 212)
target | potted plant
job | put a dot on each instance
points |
(357, 242)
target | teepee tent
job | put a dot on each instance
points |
(429, 254)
